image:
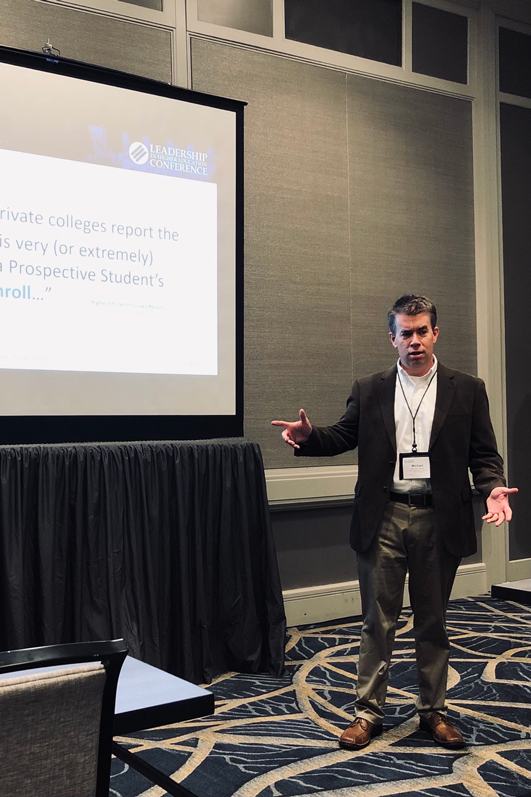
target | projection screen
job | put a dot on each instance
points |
(120, 256)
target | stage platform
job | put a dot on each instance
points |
(519, 591)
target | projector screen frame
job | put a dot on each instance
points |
(18, 429)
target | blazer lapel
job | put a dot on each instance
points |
(386, 396)
(443, 402)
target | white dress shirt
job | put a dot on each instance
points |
(414, 390)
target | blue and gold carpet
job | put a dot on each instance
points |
(277, 737)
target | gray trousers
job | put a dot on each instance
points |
(408, 539)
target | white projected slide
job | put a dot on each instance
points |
(124, 265)
(117, 245)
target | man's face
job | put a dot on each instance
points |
(414, 340)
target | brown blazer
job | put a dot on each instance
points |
(462, 437)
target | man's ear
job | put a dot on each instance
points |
(392, 338)
(435, 334)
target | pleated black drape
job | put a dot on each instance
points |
(168, 545)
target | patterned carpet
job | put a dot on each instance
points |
(277, 737)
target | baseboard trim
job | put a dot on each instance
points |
(301, 484)
(332, 601)
(518, 569)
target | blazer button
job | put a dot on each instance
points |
(385, 489)
(392, 463)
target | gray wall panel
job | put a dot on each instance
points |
(96, 39)
(312, 544)
(412, 222)
(342, 169)
(297, 304)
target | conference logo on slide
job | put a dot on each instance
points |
(138, 152)
(182, 162)
(146, 156)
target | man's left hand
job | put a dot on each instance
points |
(498, 508)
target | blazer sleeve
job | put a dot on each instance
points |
(327, 441)
(484, 461)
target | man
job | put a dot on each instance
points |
(418, 427)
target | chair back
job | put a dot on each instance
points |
(57, 711)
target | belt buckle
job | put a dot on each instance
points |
(416, 499)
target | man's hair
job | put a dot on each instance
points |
(409, 304)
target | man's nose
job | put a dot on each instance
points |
(415, 340)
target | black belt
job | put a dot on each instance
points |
(413, 499)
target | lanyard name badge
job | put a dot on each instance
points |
(417, 464)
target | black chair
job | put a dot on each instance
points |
(56, 723)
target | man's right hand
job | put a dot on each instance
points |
(295, 433)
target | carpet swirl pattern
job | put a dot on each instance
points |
(277, 737)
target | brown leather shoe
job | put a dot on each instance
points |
(359, 733)
(442, 730)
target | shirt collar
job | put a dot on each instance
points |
(414, 380)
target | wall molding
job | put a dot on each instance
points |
(285, 485)
(299, 484)
(326, 602)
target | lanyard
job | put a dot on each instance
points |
(413, 417)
